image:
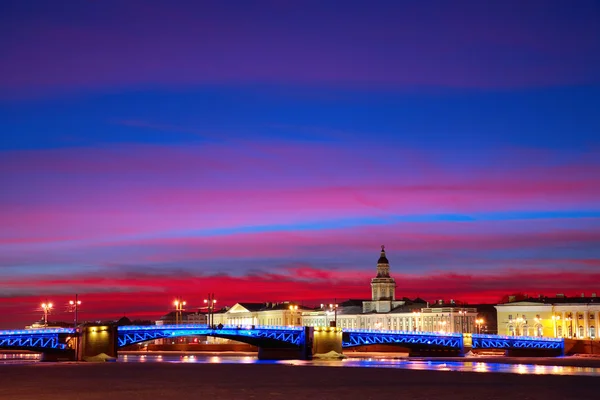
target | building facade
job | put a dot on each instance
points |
(382, 312)
(385, 312)
(261, 314)
(560, 316)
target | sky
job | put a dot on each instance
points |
(265, 150)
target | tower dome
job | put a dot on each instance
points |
(382, 258)
(383, 286)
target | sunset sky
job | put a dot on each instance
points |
(264, 150)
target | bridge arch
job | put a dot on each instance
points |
(39, 340)
(273, 337)
(407, 339)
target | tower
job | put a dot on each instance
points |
(383, 286)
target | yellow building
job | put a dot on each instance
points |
(560, 316)
(261, 314)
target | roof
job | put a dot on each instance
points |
(353, 302)
(382, 258)
(404, 308)
(559, 300)
(253, 306)
(350, 310)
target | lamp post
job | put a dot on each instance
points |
(75, 309)
(443, 326)
(293, 309)
(479, 322)
(333, 307)
(570, 319)
(416, 316)
(538, 321)
(462, 315)
(74, 304)
(554, 319)
(210, 304)
(519, 321)
(179, 307)
(46, 307)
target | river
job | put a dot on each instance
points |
(369, 361)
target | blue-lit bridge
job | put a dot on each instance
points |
(275, 336)
(37, 339)
(268, 337)
(360, 337)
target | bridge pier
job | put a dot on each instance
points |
(534, 353)
(55, 356)
(326, 340)
(302, 352)
(97, 339)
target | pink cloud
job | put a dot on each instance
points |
(149, 296)
(98, 193)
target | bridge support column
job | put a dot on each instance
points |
(302, 352)
(55, 356)
(327, 340)
(95, 340)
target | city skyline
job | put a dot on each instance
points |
(150, 152)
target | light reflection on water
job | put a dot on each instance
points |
(19, 358)
(432, 365)
(368, 362)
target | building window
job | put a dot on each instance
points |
(510, 317)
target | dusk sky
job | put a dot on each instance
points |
(264, 150)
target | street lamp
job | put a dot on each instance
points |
(519, 320)
(479, 322)
(462, 314)
(538, 332)
(179, 307)
(416, 315)
(46, 307)
(554, 319)
(210, 304)
(293, 309)
(334, 307)
(443, 328)
(74, 305)
(570, 319)
(75, 309)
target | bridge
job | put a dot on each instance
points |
(299, 342)
(274, 336)
(416, 341)
(56, 339)
(518, 343)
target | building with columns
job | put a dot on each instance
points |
(560, 316)
(385, 312)
(261, 314)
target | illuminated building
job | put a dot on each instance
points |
(383, 311)
(560, 316)
(261, 314)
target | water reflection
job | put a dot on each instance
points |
(19, 358)
(368, 362)
(373, 362)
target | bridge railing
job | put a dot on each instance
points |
(44, 331)
(204, 326)
(394, 332)
(507, 337)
